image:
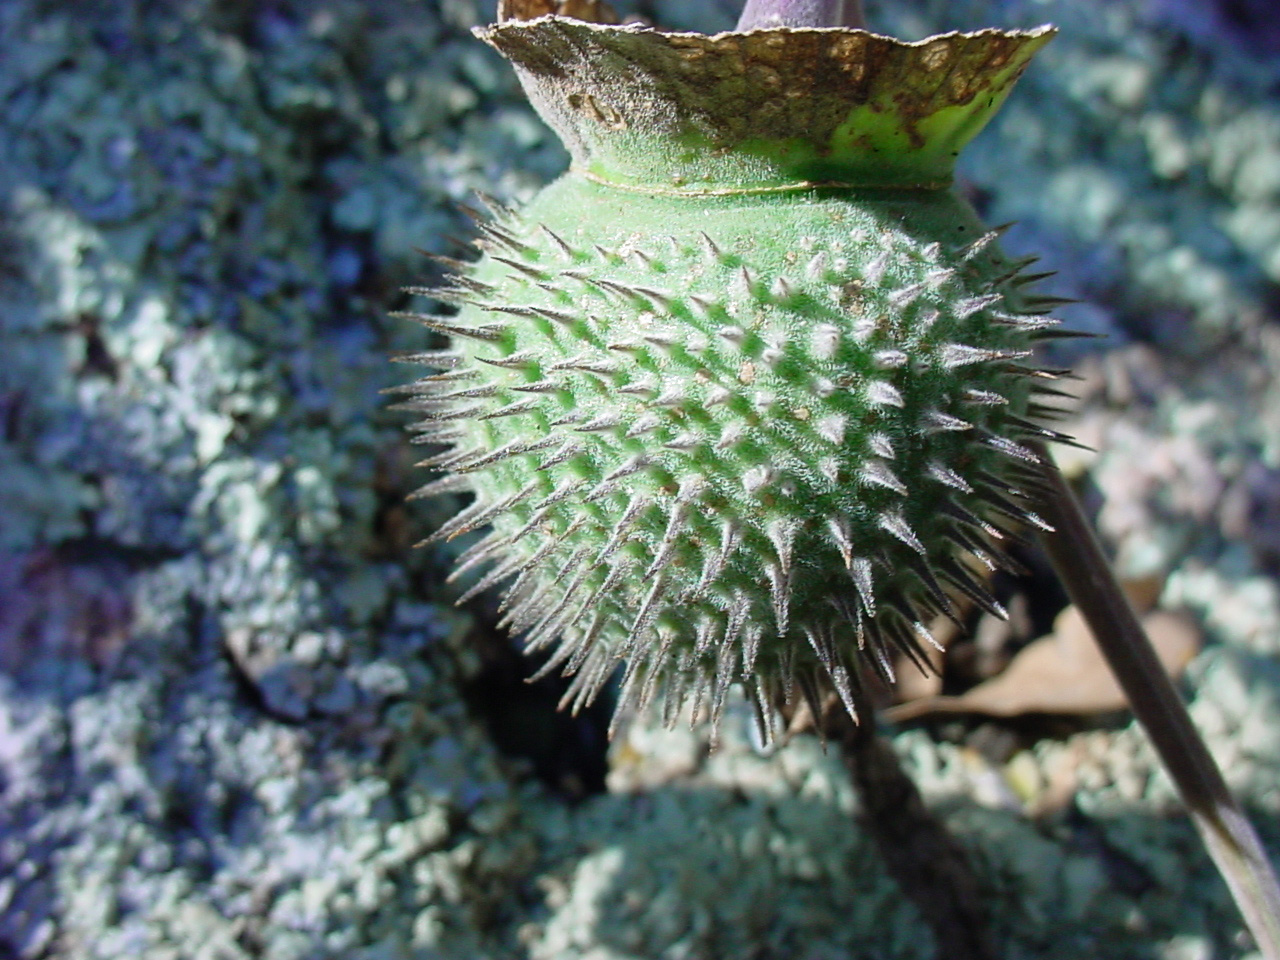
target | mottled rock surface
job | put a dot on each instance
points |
(239, 716)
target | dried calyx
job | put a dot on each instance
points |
(781, 108)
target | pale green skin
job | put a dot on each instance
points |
(818, 474)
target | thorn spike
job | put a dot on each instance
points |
(948, 477)
(955, 574)
(831, 428)
(449, 484)
(825, 341)
(489, 332)
(860, 571)
(877, 473)
(881, 393)
(935, 421)
(896, 524)
(881, 445)
(440, 359)
(842, 535)
(709, 248)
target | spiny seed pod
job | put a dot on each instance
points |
(743, 397)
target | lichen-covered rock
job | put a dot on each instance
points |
(193, 448)
(227, 726)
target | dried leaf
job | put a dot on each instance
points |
(1062, 673)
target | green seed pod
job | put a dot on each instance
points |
(741, 397)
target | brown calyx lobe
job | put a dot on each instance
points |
(800, 104)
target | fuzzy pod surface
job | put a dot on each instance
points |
(743, 396)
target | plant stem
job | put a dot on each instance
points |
(1232, 842)
(765, 14)
(922, 857)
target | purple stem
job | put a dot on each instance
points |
(765, 14)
